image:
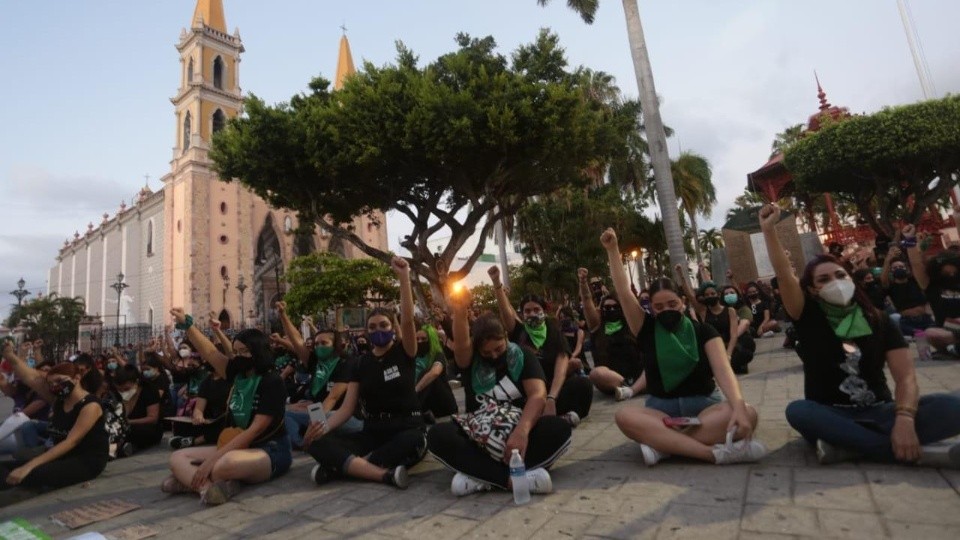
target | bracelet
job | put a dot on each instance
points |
(909, 242)
(907, 409)
(498, 287)
(551, 397)
(188, 322)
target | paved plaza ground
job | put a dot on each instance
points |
(602, 489)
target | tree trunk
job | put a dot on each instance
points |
(656, 137)
(502, 244)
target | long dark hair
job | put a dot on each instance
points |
(485, 328)
(859, 295)
(762, 295)
(259, 346)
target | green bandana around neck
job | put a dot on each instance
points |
(321, 374)
(241, 400)
(483, 376)
(677, 352)
(848, 322)
(538, 335)
(612, 328)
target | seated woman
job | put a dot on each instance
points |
(26, 427)
(848, 409)
(725, 320)
(568, 395)
(141, 404)
(497, 370)
(939, 278)
(864, 279)
(258, 448)
(433, 390)
(328, 369)
(383, 386)
(905, 293)
(763, 324)
(618, 368)
(575, 337)
(682, 359)
(79, 452)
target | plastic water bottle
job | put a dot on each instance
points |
(923, 346)
(518, 477)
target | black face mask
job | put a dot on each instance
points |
(612, 314)
(242, 364)
(423, 349)
(900, 273)
(63, 389)
(362, 346)
(950, 282)
(670, 319)
(711, 301)
(753, 296)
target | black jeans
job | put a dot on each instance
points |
(576, 395)
(144, 436)
(549, 439)
(63, 472)
(438, 398)
(385, 444)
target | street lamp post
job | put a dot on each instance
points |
(630, 268)
(20, 293)
(119, 286)
(241, 286)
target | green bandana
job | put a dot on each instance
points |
(538, 334)
(321, 375)
(677, 352)
(241, 400)
(612, 328)
(483, 376)
(848, 322)
(421, 365)
(281, 362)
(193, 384)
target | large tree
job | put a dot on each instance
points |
(320, 282)
(895, 163)
(54, 319)
(470, 136)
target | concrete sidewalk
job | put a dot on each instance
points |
(602, 489)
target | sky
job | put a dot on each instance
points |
(86, 86)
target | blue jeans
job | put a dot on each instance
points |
(31, 434)
(867, 430)
(298, 420)
(280, 454)
(684, 406)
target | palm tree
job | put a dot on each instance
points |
(785, 138)
(656, 136)
(711, 239)
(691, 177)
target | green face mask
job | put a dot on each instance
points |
(323, 352)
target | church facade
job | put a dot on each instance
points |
(199, 243)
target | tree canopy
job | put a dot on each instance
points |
(470, 136)
(54, 319)
(894, 163)
(320, 282)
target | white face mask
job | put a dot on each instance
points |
(838, 292)
(128, 394)
(184, 353)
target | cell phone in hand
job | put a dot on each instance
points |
(315, 410)
(681, 421)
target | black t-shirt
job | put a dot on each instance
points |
(720, 322)
(341, 374)
(617, 352)
(95, 445)
(834, 377)
(148, 396)
(531, 370)
(700, 381)
(270, 399)
(906, 295)
(944, 302)
(877, 295)
(757, 311)
(552, 347)
(387, 384)
(215, 390)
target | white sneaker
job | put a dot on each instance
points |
(650, 456)
(742, 451)
(464, 485)
(768, 333)
(539, 481)
(623, 393)
(828, 454)
(572, 418)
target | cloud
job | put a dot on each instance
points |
(28, 256)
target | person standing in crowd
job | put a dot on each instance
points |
(762, 324)
(618, 368)
(682, 359)
(848, 409)
(498, 375)
(905, 293)
(725, 320)
(433, 390)
(568, 395)
(141, 405)
(257, 449)
(383, 385)
(80, 448)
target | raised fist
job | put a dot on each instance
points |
(582, 274)
(769, 216)
(609, 238)
(494, 272)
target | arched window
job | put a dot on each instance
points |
(190, 71)
(219, 119)
(218, 73)
(150, 237)
(186, 131)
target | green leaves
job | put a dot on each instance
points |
(54, 319)
(322, 281)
